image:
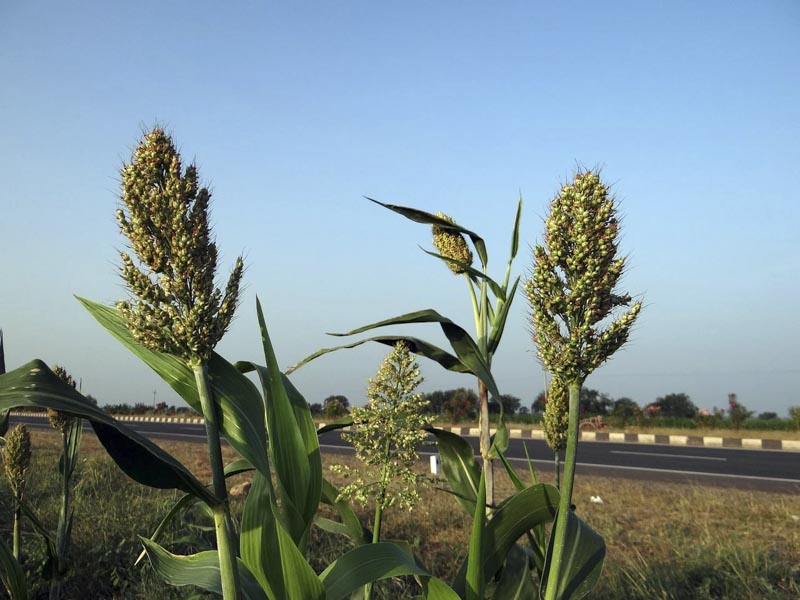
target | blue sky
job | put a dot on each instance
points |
(294, 111)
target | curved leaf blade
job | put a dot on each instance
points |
(584, 554)
(522, 512)
(269, 552)
(426, 218)
(460, 467)
(11, 574)
(497, 289)
(200, 570)
(416, 345)
(34, 384)
(467, 351)
(365, 564)
(240, 403)
(499, 319)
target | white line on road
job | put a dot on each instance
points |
(668, 455)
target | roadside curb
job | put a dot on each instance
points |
(538, 434)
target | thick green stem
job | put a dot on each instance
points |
(61, 533)
(485, 441)
(229, 571)
(566, 492)
(17, 517)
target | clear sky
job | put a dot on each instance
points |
(294, 111)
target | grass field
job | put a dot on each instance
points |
(665, 540)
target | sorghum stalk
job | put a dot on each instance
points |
(229, 569)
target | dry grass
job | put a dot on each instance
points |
(665, 540)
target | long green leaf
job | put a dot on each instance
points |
(522, 512)
(350, 521)
(293, 442)
(499, 319)
(584, 553)
(239, 401)
(269, 552)
(515, 233)
(420, 216)
(475, 582)
(11, 574)
(4, 415)
(460, 467)
(200, 570)
(436, 589)
(516, 582)
(235, 468)
(463, 345)
(365, 564)
(497, 289)
(34, 384)
(415, 345)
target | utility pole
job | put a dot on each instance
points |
(154, 399)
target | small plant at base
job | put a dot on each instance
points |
(177, 308)
(70, 428)
(16, 461)
(387, 432)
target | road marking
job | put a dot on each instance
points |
(668, 455)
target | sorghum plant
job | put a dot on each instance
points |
(176, 307)
(572, 292)
(387, 432)
(472, 356)
(70, 428)
(16, 461)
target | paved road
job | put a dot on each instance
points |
(749, 469)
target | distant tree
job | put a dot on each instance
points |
(510, 405)
(794, 416)
(436, 401)
(140, 408)
(674, 405)
(91, 399)
(461, 404)
(315, 408)
(539, 403)
(594, 403)
(738, 412)
(335, 406)
(626, 410)
(767, 416)
(523, 410)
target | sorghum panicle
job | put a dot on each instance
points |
(572, 288)
(17, 458)
(451, 244)
(61, 420)
(176, 307)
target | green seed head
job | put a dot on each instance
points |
(176, 307)
(60, 420)
(451, 244)
(575, 274)
(555, 421)
(17, 458)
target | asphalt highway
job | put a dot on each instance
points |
(772, 470)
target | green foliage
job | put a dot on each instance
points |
(794, 417)
(334, 407)
(593, 403)
(626, 411)
(737, 412)
(674, 405)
